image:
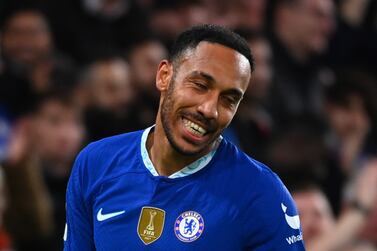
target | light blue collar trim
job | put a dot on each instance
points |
(187, 170)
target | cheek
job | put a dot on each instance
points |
(183, 100)
(76, 136)
(226, 116)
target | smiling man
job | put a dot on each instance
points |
(179, 185)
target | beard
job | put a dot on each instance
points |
(167, 111)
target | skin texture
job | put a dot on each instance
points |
(204, 86)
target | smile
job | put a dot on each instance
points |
(194, 128)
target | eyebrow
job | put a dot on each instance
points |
(207, 77)
(211, 80)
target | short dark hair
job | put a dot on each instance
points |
(190, 39)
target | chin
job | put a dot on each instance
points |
(187, 150)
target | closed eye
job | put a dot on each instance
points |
(230, 100)
(200, 86)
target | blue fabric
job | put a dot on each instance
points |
(242, 204)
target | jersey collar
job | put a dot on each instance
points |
(187, 170)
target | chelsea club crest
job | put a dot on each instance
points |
(189, 226)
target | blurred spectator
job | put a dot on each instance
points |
(316, 215)
(26, 38)
(30, 60)
(58, 129)
(107, 84)
(108, 98)
(42, 148)
(253, 122)
(351, 110)
(144, 58)
(301, 31)
(321, 233)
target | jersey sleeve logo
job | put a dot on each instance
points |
(293, 221)
(102, 217)
(189, 226)
(151, 224)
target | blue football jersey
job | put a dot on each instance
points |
(115, 202)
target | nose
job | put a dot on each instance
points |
(208, 106)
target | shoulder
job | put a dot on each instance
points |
(106, 158)
(262, 189)
(268, 212)
(108, 150)
(246, 170)
(111, 145)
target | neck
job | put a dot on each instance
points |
(164, 157)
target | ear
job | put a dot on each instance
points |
(164, 75)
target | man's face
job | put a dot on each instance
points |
(26, 38)
(58, 131)
(312, 22)
(348, 119)
(200, 99)
(315, 214)
(110, 86)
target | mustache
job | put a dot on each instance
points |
(209, 124)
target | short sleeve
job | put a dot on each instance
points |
(79, 227)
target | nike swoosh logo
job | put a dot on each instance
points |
(102, 217)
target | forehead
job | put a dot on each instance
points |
(222, 63)
(320, 5)
(27, 18)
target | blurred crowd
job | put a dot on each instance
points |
(75, 71)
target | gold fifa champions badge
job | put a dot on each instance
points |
(151, 224)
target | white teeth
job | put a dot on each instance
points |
(194, 128)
